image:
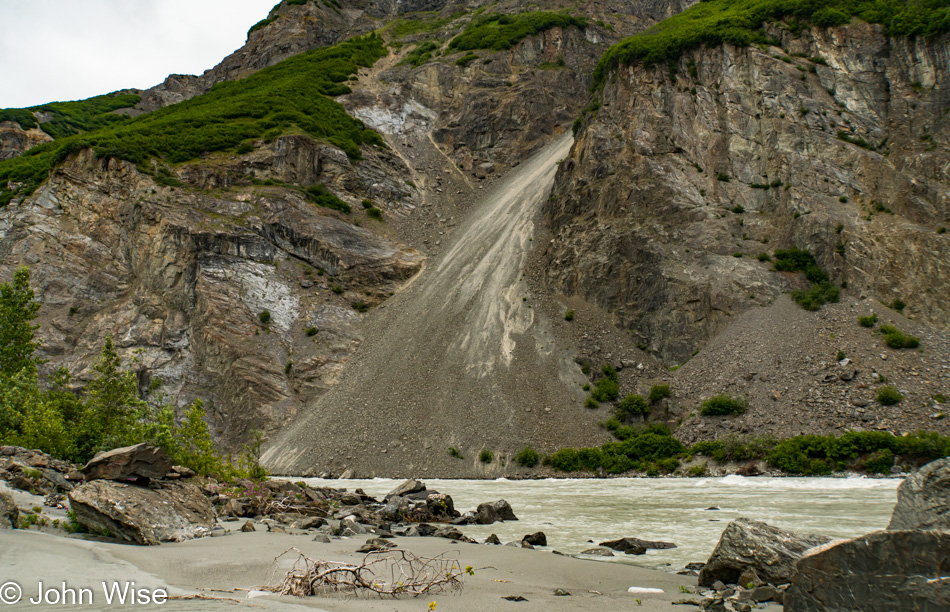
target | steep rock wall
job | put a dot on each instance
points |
(641, 210)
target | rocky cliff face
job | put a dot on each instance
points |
(680, 180)
(180, 276)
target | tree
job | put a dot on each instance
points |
(17, 311)
(112, 406)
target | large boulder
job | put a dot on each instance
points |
(129, 463)
(9, 513)
(407, 488)
(177, 511)
(923, 499)
(768, 551)
(441, 505)
(492, 512)
(882, 571)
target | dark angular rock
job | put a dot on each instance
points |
(175, 512)
(923, 499)
(448, 532)
(129, 463)
(879, 572)
(536, 539)
(248, 527)
(626, 544)
(492, 539)
(598, 551)
(492, 512)
(747, 544)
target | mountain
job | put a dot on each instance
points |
(370, 234)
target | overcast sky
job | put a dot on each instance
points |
(53, 50)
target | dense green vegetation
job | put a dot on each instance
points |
(498, 32)
(739, 22)
(292, 95)
(67, 118)
(607, 388)
(528, 457)
(108, 413)
(652, 449)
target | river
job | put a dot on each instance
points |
(576, 514)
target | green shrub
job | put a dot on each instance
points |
(879, 463)
(889, 396)
(486, 456)
(321, 196)
(498, 32)
(738, 208)
(244, 147)
(868, 321)
(421, 54)
(312, 331)
(817, 296)
(723, 177)
(527, 457)
(607, 388)
(897, 339)
(337, 289)
(454, 452)
(898, 305)
(360, 306)
(798, 260)
(723, 404)
(634, 404)
(658, 392)
(466, 59)
(569, 315)
(697, 470)
(264, 317)
(590, 402)
(374, 213)
(764, 257)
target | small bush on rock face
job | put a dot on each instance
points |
(896, 339)
(898, 305)
(658, 392)
(527, 457)
(889, 396)
(454, 452)
(486, 456)
(723, 404)
(264, 317)
(569, 315)
(634, 404)
(868, 321)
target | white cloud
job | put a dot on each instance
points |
(72, 49)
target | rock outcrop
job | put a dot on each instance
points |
(15, 140)
(748, 545)
(9, 513)
(879, 572)
(181, 277)
(923, 499)
(129, 463)
(174, 512)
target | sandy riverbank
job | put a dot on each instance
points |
(246, 560)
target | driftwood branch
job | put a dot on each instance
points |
(391, 572)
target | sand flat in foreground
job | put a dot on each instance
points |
(245, 560)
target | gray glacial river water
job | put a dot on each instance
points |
(573, 511)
